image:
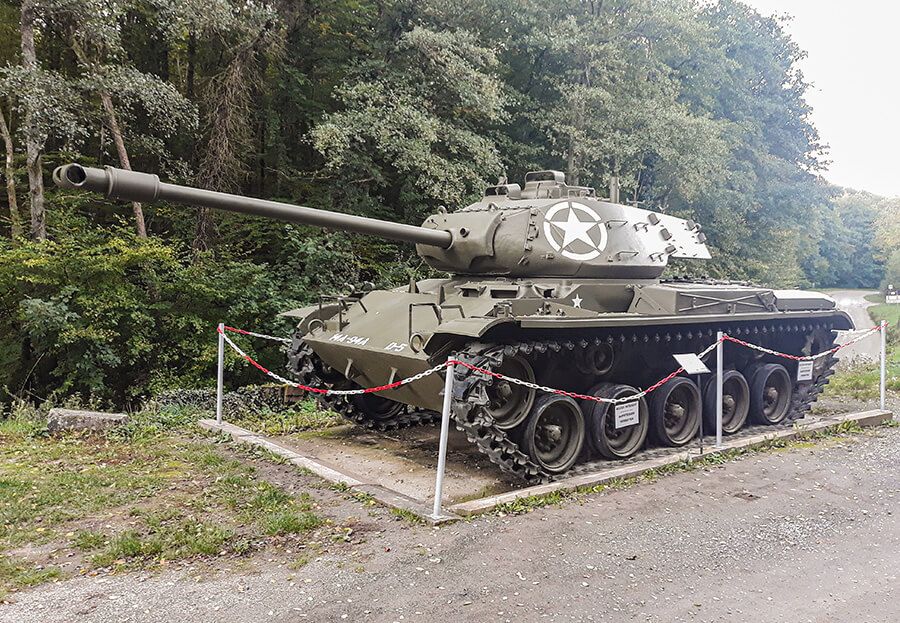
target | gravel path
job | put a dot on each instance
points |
(807, 534)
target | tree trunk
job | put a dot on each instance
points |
(125, 163)
(33, 144)
(14, 217)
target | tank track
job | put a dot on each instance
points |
(502, 448)
(310, 370)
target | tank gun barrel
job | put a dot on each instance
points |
(144, 187)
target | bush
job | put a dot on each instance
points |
(113, 317)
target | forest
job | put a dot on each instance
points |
(385, 108)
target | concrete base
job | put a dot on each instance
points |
(600, 472)
(83, 421)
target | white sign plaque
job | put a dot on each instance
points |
(627, 414)
(805, 370)
(691, 363)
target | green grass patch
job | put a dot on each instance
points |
(289, 521)
(17, 574)
(137, 497)
(304, 416)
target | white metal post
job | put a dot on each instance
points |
(720, 364)
(220, 373)
(883, 361)
(445, 432)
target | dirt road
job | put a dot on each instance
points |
(854, 303)
(807, 534)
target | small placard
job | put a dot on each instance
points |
(805, 370)
(627, 414)
(691, 363)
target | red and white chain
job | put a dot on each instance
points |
(562, 392)
(831, 351)
(509, 379)
(285, 340)
(331, 392)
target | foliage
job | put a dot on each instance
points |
(109, 316)
(388, 109)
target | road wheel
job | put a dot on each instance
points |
(510, 403)
(735, 403)
(553, 434)
(770, 394)
(602, 435)
(377, 407)
(675, 412)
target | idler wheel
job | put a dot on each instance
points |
(377, 407)
(735, 403)
(603, 437)
(509, 403)
(553, 434)
(595, 360)
(770, 394)
(675, 412)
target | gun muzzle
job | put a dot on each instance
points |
(114, 183)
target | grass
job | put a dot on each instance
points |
(303, 416)
(143, 495)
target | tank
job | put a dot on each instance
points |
(551, 284)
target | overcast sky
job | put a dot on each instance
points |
(853, 56)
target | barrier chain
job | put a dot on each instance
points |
(543, 388)
(831, 351)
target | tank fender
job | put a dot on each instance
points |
(304, 315)
(462, 330)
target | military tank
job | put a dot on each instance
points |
(552, 285)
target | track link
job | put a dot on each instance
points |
(470, 399)
(309, 369)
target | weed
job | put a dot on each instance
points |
(88, 540)
(291, 522)
(16, 574)
(406, 515)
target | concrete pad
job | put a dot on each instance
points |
(83, 421)
(405, 460)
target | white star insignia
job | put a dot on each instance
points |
(576, 302)
(574, 229)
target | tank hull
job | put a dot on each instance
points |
(388, 335)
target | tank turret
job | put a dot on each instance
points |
(546, 229)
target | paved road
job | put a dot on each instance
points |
(854, 303)
(807, 534)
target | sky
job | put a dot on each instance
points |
(853, 63)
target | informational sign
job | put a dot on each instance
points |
(805, 370)
(627, 414)
(691, 363)
(893, 299)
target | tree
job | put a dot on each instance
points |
(10, 173)
(95, 38)
(33, 142)
(426, 118)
